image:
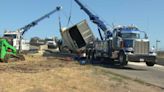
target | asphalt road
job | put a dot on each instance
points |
(139, 71)
(160, 61)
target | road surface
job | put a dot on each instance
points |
(139, 71)
(160, 61)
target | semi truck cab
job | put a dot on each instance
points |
(135, 44)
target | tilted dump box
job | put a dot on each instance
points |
(77, 37)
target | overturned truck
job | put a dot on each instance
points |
(76, 38)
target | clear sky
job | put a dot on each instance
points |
(147, 15)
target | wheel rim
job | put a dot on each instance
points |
(94, 55)
(121, 58)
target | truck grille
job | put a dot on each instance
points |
(141, 47)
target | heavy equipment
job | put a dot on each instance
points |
(7, 51)
(123, 44)
(17, 35)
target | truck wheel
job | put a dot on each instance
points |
(150, 63)
(88, 56)
(122, 59)
(93, 57)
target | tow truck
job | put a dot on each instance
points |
(18, 42)
(122, 44)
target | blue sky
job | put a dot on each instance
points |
(147, 15)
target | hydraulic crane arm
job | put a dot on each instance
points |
(95, 19)
(32, 24)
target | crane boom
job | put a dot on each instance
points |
(96, 20)
(33, 23)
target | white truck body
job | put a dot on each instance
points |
(15, 36)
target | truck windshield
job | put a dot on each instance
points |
(49, 39)
(130, 35)
(10, 35)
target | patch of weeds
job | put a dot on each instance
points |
(74, 87)
(119, 79)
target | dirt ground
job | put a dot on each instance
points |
(42, 74)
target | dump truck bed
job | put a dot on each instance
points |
(78, 36)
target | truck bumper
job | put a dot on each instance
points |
(142, 58)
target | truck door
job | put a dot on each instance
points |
(117, 39)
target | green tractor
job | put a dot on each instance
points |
(8, 52)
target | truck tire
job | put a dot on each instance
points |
(88, 54)
(150, 63)
(122, 59)
(93, 57)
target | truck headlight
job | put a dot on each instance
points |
(84, 55)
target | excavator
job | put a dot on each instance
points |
(12, 42)
(7, 51)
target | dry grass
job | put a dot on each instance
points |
(39, 74)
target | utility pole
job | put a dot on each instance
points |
(157, 41)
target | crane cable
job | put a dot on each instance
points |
(64, 13)
(101, 37)
(59, 19)
(70, 13)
